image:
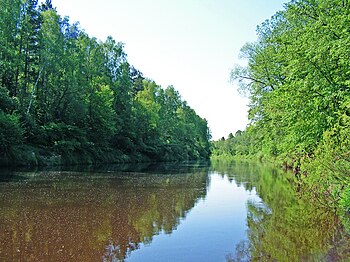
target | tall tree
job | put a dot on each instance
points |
(28, 71)
(9, 19)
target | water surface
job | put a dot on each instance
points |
(222, 212)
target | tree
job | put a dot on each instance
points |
(297, 80)
(28, 71)
(10, 12)
(64, 93)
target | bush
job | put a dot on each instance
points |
(11, 133)
(345, 207)
(328, 171)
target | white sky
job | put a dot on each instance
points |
(190, 44)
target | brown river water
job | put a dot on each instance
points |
(223, 211)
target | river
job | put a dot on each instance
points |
(226, 211)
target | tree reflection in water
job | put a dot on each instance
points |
(94, 216)
(284, 226)
(81, 216)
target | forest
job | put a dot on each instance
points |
(297, 76)
(68, 98)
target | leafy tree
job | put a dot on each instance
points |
(29, 33)
(297, 81)
(67, 95)
(10, 12)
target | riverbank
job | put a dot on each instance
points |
(31, 156)
(299, 110)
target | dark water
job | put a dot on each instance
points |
(223, 212)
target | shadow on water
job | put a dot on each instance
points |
(93, 216)
(285, 226)
(36, 173)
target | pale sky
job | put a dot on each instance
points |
(190, 44)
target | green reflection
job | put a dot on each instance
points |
(74, 216)
(284, 227)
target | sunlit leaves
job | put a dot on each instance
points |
(297, 78)
(58, 78)
(296, 74)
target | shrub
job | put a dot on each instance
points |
(11, 133)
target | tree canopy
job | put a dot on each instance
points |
(297, 79)
(67, 97)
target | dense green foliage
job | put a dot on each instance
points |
(68, 98)
(297, 78)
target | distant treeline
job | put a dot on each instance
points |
(298, 81)
(69, 98)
